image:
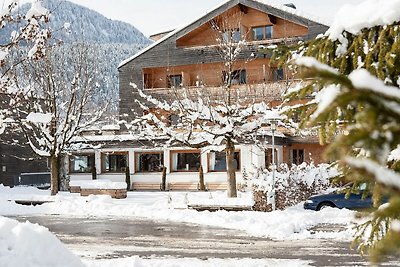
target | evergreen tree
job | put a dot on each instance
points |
(353, 100)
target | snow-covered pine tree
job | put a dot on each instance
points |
(354, 101)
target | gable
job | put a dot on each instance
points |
(245, 18)
(199, 26)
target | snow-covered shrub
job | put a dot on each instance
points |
(292, 185)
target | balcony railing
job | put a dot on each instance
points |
(269, 91)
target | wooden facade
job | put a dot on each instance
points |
(189, 58)
(191, 51)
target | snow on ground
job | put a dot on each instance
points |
(26, 244)
(169, 262)
(292, 223)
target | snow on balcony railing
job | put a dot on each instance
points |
(266, 91)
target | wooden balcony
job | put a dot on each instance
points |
(267, 91)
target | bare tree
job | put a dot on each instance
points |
(58, 103)
(27, 42)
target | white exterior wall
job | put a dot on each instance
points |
(251, 157)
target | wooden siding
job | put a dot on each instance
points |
(211, 74)
(312, 152)
(235, 18)
(168, 55)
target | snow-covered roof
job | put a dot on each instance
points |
(284, 8)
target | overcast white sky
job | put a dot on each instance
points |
(154, 16)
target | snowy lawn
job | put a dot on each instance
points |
(292, 223)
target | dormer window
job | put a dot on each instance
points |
(262, 33)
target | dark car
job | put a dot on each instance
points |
(40, 180)
(337, 200)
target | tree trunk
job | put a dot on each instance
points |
(128, 178)
(94, 173)
(164, 179)
(230, 167)
(202, 186)
(54, 167)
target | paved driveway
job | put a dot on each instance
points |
(120, 237)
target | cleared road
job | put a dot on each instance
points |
(121, 237)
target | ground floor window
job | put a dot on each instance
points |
(217, 161)
(149, 161)
(297, 156)
(174, 81)
(81, 163)
(268, 157)
(185, 161)
(277, 74)
(237, 77)
(114, 162)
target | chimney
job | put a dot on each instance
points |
(291, 5)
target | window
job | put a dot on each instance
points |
(114, 162)
(268, 157)
(232, 36)
(149, 162)
(297, 156)
(238, 77)
(217, 161)
(185, 161)
(147, 81)
(81, 163)
(277, 74)
(174, 81)
(262, 33)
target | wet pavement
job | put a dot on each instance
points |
(103, 238)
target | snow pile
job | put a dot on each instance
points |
(26, 244)
(370, 13)
(193, 262)
(243, 199)
(23, 193)
(98, 184)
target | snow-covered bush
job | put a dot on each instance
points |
(292, 185)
